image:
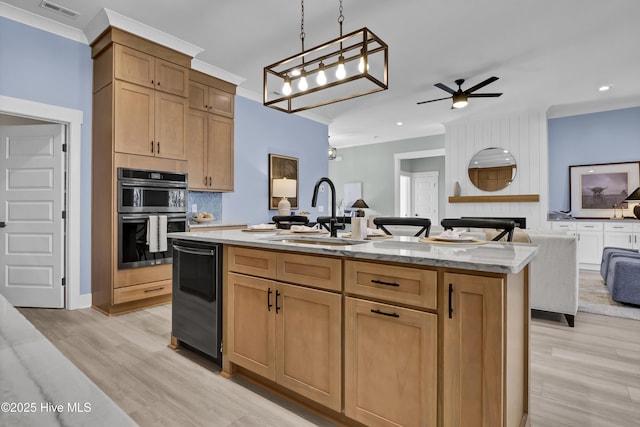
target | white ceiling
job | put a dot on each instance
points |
(549, 54)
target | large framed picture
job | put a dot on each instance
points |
(596, 189)
(283, 167)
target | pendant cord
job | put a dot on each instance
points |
(302, 34)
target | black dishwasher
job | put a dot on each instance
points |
(196, 313)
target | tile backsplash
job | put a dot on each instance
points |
(206, 202)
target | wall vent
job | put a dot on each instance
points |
(59, 9)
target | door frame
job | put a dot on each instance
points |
(73, 120)
(397, 158)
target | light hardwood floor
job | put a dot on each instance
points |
(583, 376)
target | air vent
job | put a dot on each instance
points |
(59, 9)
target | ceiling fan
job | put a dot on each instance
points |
(461, 97)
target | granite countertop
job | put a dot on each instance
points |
(497, 257)
(193, 224)
(41, 387)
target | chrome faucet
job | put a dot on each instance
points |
(333, 223)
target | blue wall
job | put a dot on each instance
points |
(38, 66)
(46, 68)
(260, 131)
(604, 137)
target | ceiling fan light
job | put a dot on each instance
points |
(460, 101)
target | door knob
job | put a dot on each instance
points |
(3, 224)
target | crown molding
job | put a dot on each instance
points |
(558, 111)
(106, 18)
(218, 72)
(45, 24)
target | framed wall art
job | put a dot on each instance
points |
(283, 167)
(595, 189)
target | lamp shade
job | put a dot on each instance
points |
(359, 204)
(633, 197)
(283, 187)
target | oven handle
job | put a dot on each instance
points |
(194, 251)
(170, 217)
(153, 184)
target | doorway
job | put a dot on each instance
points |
(72, 120)
(404, 183)
(32, 200)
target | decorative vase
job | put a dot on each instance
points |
(636, 211)
(456, 189)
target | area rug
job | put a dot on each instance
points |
(594, 297)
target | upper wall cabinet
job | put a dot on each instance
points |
(210, 133)
(210, 99)
(149, 84)
(146, 70)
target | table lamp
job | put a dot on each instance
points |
(360, 204)
(635, 197)
(283, 187)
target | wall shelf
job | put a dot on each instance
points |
(496, 199)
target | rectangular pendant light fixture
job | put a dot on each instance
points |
(349, 66)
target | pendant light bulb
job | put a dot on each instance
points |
(361, 63)
(302, 83)
(321, 79)
(286, 87)
(341, 73)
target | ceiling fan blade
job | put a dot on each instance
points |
(433, 100)
(483, 95)
(481, 84)
(445, 88)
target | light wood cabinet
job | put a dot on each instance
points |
(137, 67)
(288, 334)
(472, 351)
(406, 285)
(426, 347)
(140, 110)
(210, 135)
(390, 364)
(148, 122)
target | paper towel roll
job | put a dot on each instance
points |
(358, 228)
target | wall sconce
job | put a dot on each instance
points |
(349, 66)
(284, 188)
(333, 152)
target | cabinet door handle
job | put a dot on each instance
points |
(269, 305)
(380, 282)
(153, 290)
(629, 238)
(205, 180)
(277, 306)
(385, 314)
(209, 181)
(158, 146)
(152, 146)
(152, 82)
(450, 300)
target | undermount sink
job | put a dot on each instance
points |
(324, 241)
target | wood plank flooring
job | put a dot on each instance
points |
(583, 376)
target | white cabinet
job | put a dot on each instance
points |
(590, 244)
(622, 234)
(594, 236)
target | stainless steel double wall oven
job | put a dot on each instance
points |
(142, 194)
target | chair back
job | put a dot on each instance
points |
(424, 223)
(506, 226)
(324, 221)
(285, 222)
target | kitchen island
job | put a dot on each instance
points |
(393, 331)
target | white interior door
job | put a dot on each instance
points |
(425, 195)
(32, 195)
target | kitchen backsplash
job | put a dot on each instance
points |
(206, 202)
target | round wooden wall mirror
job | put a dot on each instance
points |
(492, 169)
